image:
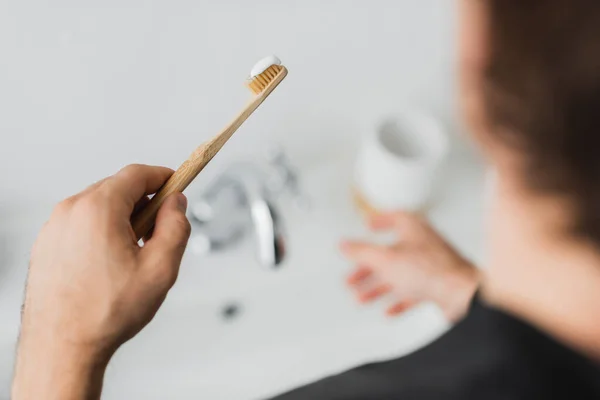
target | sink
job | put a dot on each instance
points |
(286, 335)
(290, 326)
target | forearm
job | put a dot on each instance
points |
(54, 370)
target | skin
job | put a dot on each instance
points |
(421, 266)
(444, 277)
(91, 287)
(537, 271)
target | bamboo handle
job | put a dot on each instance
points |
(143, 220)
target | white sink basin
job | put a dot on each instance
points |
(295, 325)
(286, 335)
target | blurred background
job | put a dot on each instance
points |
(89, 87)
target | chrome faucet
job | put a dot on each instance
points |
(241, 200)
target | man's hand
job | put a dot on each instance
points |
(91, 287)
(421, 266)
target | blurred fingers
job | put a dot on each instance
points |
(364, 253)
(366, 295)
(399, 308)
(359, 275)
(407, 225)
(394, 220)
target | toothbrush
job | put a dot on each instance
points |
(263, 79)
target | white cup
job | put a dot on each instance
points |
(398, 162)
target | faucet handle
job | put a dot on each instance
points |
(283, 178)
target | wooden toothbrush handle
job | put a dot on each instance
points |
(142, 221)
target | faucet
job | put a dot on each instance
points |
(241, 201)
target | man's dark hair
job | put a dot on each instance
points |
(542, 92)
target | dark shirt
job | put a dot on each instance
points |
(489, 355)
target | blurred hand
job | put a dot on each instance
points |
(420, 266)
(91, 287)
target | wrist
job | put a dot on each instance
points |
(56, 369)
(454, 291)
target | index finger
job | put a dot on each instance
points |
(135, 181)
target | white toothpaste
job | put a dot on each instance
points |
(263, 64)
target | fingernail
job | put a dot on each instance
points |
(182, 202)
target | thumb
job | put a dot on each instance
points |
(164, 251)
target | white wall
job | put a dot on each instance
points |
(89, 86)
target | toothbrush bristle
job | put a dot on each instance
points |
(261, 81)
